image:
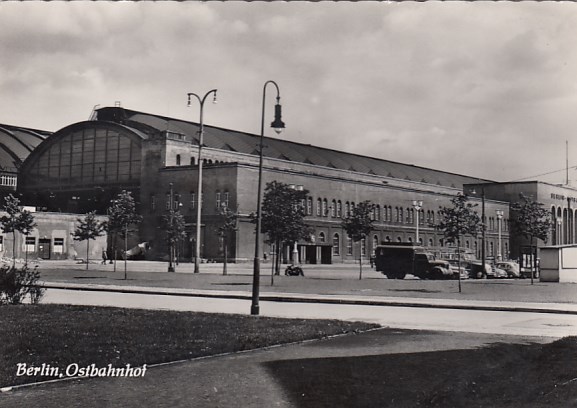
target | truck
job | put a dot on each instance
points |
(396, 260)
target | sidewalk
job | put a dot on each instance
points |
(329, 284)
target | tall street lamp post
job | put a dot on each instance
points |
(482, 228)
(171, 249)
(278, 125)
(499, 221)
(199, 189)
(418, 205)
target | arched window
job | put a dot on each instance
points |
(364, 246)
(430, 242)
(319, 207)
(347, 209)
(334, 208)
(387, 239)
(375, 242)
(399, 239)
(192, 161)
(325, 209)
(349, 245)
(322, 238)
(339, 209)
(309, 206)
(401, 215)
(336, 244)
(178, 159)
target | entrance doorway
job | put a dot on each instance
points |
(44, 248)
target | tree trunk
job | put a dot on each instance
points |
(87, 252)
(125, 251)
(224, 271)
(277, 261)
(13, 249)
(360, 261)
(532, 259)
(459, 261)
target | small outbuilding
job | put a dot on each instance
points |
(559, 263)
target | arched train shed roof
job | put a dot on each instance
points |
(16, 143)
(242, 142)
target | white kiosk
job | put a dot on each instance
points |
(558, 263)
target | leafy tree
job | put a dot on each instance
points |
(530, 220)
(457, 221)
(16, 219)
(174, 225)
(122, 217)
(283, 216)
(228, 224)
(88, 228)
(358, 224)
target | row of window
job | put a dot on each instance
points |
(336, 244)
(193, 161)
(221, 201)
(9, 181)
(30, 245)
(385, 213)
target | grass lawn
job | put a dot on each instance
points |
(60, 335)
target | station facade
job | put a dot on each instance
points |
(83, 166)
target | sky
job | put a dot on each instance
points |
(486, 89)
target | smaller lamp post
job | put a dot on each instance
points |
(170, 250)
(418, 205)
(500, 214)
(199, 187)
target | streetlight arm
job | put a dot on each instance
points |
(199, 187)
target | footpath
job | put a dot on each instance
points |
(329, 284)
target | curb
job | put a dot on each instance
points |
(296, 298)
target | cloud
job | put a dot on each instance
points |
(450, 85)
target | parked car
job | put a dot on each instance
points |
(476, 270)
(512, 268)
(455, 269)
(499, 273)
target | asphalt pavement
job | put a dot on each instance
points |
(254, 379)
(339, 284)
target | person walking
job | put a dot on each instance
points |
(104, 257)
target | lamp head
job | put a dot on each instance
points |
(278, 124)
(214, 98)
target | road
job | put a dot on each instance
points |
(473, 321)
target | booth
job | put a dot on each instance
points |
(558, 263)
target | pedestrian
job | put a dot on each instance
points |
(104, 257)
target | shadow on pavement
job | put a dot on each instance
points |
(500, 373)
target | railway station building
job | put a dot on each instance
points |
(84, 165)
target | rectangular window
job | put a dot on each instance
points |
(58, 245)
(176, 203)
(336, 245)
(349, 245)
(217, 201)
(30, 244)
(225, 199)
